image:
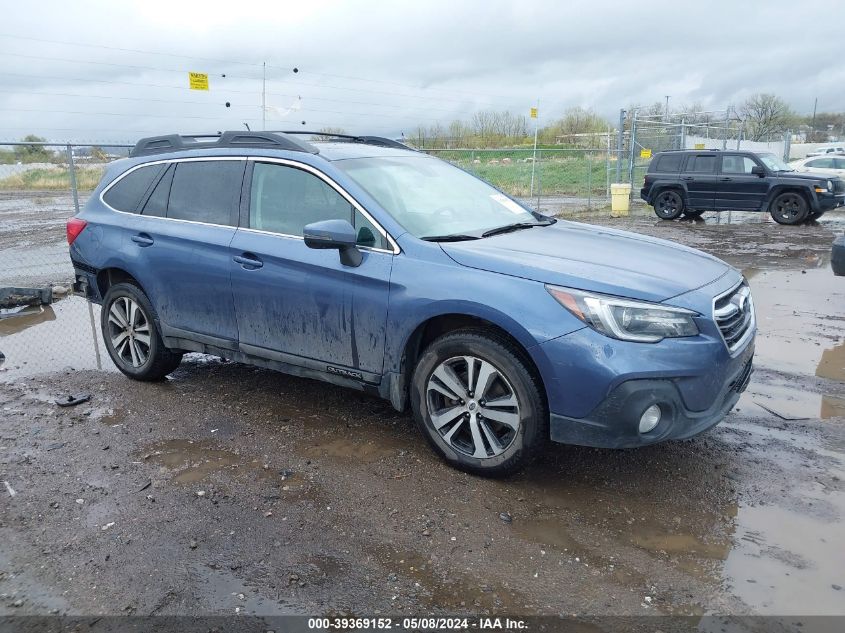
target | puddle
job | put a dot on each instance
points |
(453, 592)
(367, 452)
(64, 334)
(190, 462)
(790, 402)
(785, 562)
(801, 321)
(222, 592)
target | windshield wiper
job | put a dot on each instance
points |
(516, 226)
(456, 237)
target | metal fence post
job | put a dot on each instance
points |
(589, 181)
(619, 142)
(539, 171)
(787, 145)
(607, 166)
(72, 171)
(633, 143)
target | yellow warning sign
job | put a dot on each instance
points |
(198, 81)
(645, 153)
(533, 113)
(699, 146)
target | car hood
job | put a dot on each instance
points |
(592, 258)
(804, 175)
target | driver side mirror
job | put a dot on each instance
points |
(334, 234)
(758, 171)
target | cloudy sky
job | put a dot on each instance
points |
(113, 71)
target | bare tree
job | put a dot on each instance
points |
(766, 115)
(325, 133)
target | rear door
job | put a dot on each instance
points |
(699, 178)
(737, 189)
(180, 248)
(300, 305)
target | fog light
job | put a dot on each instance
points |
(649, 418)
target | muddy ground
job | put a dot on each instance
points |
(232, 489)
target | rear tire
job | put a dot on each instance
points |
(478, 404)
(789, 208)
(668, 204)
(131, 334)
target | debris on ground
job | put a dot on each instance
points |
(72, 401)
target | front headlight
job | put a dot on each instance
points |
(830, 185)
(625, 319)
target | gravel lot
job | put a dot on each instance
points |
(232, 489)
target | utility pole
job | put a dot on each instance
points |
(264, 95)
(534, 159)
(813, 124)
(666, 116)
(619, 141)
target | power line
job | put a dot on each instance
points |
(253, 64)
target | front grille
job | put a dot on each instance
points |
(734, 315)
(838, 185)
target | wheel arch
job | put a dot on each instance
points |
(775, 191)
(660, 187)
(436, 325)
(108, 277)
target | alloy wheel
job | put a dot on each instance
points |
(129, 331)
(473, 406)
(668, 204)
(789, 206)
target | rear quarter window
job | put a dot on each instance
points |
(206, 191)
(127, 192)
(667, 163)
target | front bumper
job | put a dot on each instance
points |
(827, 201)
(614, 423)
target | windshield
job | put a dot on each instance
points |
(774, 163)
(431, 198)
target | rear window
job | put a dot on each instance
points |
(668, 163)
(206, 191)
(127, 193)
(701, 164)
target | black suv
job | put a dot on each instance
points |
(690, 182)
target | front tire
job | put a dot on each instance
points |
(668, 204)
(789, 208)
(131, 334)
(478, 404)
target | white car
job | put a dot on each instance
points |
(830, 165)
(823, 151)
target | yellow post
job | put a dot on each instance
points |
(620, 196)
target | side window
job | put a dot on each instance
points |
(737, 165)
(839, 163)
(206, 191)
(284, 199)
(156, 205)
(128, 192)
(821, 163)
(701, 164)
(669, 163)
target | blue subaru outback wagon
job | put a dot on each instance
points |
(367, 264)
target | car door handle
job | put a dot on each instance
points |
(142, 239)
(248, 260)
(687, 177)
(725, 179)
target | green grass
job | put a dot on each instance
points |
(52, 179)
(561, 175)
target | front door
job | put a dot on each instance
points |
(300, 305)
(699, 178)
(737, 189)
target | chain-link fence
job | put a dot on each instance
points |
(550, 179)
(41, 186)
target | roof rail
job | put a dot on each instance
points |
(176, 142)
(381, 141)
